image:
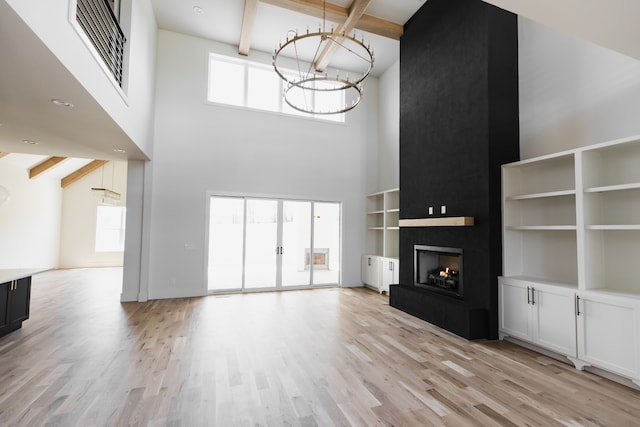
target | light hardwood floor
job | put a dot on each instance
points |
(301, 358)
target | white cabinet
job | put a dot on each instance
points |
(609, 331)
(389, 273)
(371, 271)
(379, 272)
(571, 241)
(514, 315)
(537, 313)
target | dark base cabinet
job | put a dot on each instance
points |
(15, 297)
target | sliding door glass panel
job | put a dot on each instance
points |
(261, 245)
(296, 243)
(326, 244)
(225, 243)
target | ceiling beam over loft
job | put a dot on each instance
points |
(356, 11)
(83, 171)
(44, 166)
(339, 14)
(248, 19)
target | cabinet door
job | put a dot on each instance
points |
(514, 310)
(19, 298)
(4, 299)
(389, 274)
(554, 321)
(371, 270)
(608, 333)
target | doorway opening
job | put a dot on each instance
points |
(258, 244)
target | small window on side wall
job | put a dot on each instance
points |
(110, 227)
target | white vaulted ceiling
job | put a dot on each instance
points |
(92, 132)
(612, 24)
(221, 20)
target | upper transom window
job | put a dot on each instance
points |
(250, 84)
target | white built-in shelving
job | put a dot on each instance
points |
(571, 227)
(380, 263)
(539, 215)
(383, 212)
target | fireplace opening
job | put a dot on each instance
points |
(438, 269)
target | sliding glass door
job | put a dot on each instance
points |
(261, 243)
(226, 254)
(265, 244)
(326, 239)
(296, 243)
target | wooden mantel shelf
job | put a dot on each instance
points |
(453, 221)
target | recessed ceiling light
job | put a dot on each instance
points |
(61, 103)
(119, 150)
(30, 142)
(197, 9)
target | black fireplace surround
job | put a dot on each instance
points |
(458, 124)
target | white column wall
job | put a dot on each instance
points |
(389, 128)
(200, 147)
(573, 92)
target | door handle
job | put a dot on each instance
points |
(528, 295)
(281, 250)
(533, 296)
(369, 261)
(390, 266)
(577, 305)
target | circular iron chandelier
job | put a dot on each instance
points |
(309, 86)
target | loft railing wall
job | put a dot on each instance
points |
(100, 24)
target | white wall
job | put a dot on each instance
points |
(200, 147)
(572, 92)
(133, 110)
(78, 226)
(389, 129)
(30, 220)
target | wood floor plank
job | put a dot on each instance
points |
(326, 357)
